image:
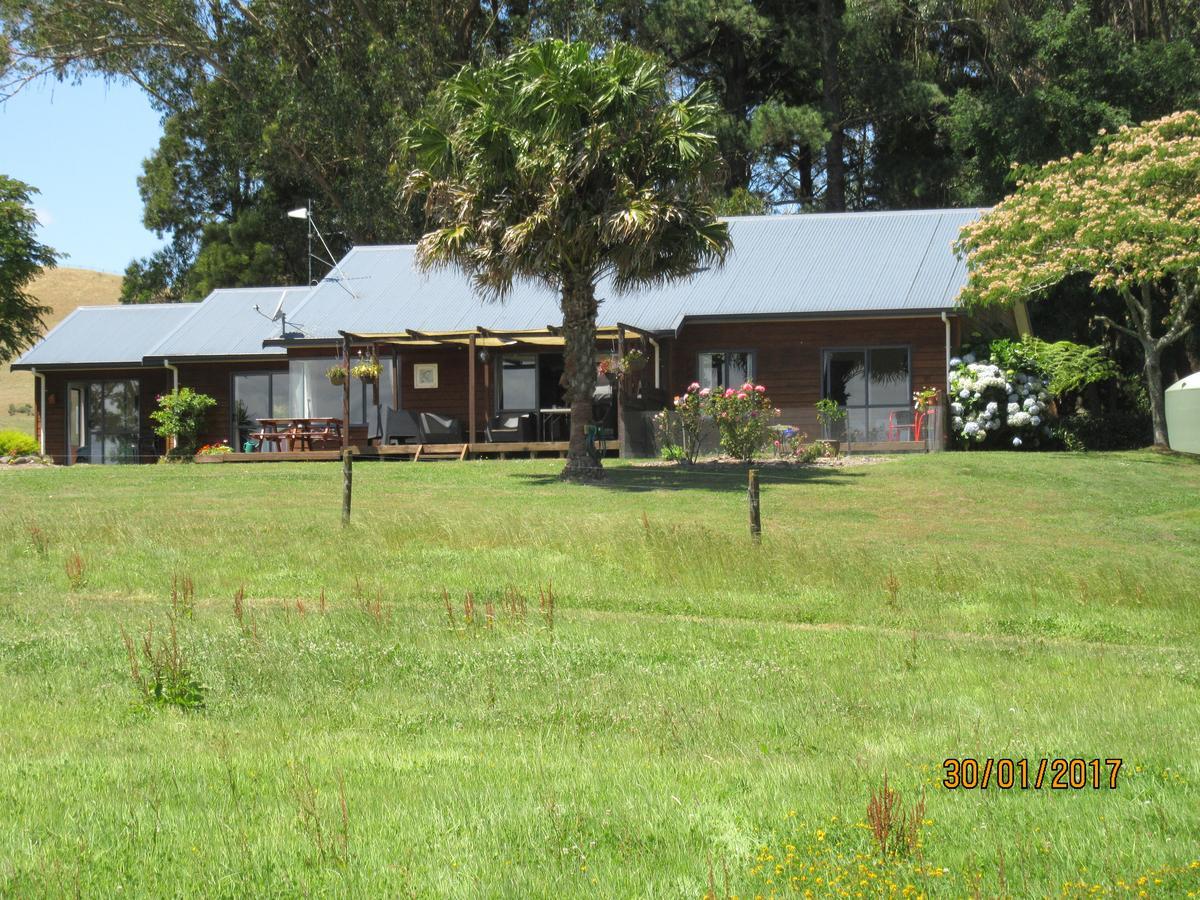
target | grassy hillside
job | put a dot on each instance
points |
(695, 703)
(62, 290)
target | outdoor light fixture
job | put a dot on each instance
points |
(301, 213)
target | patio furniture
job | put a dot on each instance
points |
(510, 428)
(394, 425)
(435, 429)
(551, 421)
(300, 433)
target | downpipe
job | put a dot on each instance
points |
(41, 418)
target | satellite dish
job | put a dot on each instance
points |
(278, 314)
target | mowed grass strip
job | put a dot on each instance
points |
(693, 699)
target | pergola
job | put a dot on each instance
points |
(474, 340)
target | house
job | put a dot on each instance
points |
(859, 307)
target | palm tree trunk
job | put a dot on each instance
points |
(579, 364)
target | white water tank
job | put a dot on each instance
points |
(1183, 414)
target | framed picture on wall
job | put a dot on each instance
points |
(425, 375)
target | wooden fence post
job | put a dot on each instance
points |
(752, 495)
(347, 480)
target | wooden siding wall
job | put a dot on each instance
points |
(151, 383)
(788, 355)
(216, 380)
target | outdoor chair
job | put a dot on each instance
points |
(510, 428)
(435, 429)
(396, 425)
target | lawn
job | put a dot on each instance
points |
(698, 710)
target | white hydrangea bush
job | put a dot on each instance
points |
(994, 407)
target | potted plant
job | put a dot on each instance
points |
(367, 370)
(829, 413)
(336, 374)
(610, 368)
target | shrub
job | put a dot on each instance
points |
(794, 444)
(995, 406)
(16, 443)
(829, 414)
(180, 415)
(685, 422)
(743, 416)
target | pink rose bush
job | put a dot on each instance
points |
(743, 418)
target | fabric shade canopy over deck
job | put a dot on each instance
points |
(550, 336)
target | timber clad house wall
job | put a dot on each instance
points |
(859, 307)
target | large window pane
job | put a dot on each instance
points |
(518, 381)
(104, 422)
(551, 393)
(874, 385)
(313, 396)
(846, 377)
(889, 377)
(725, 368)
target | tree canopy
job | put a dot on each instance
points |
(1125, 214)
(822, 104)
(565, 165)
(22, 257)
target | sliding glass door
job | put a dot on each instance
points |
(103, 421)
(874, 386)
(257, 395)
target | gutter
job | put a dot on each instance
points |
(41, 377)
(946, 408)
(657, 361)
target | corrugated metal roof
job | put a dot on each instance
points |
(825, 264)
(106, 335)
(795, 265)
(227, 324)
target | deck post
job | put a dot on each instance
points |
(471, 390)
(346, 400)
(752, 496)
(347, 480)
(618, 389)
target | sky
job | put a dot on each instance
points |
(82, 147)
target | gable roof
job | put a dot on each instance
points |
(105, 336)
(819, 265)
(227, 323)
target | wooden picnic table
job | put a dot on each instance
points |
(299, 432)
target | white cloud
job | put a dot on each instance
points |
(43, 216)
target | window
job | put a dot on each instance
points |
(103, 422)
(873, 385)
(726, 368)
(257, 395)
(530, 381)
(312, 396)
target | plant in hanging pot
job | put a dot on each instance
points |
(367, 370)
(336, 374)
(610, 367)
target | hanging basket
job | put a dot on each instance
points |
(336, 375)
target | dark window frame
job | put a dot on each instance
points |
(866, 350)
(751, 358)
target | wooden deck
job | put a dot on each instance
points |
(501, 450)
(414, 452)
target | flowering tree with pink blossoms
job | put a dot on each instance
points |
(1127, 214)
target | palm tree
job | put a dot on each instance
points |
(568, 164)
